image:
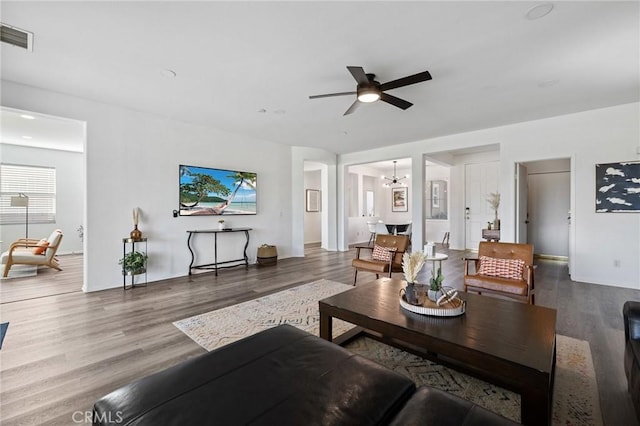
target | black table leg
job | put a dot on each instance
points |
(191, 250)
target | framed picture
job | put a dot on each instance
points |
(313, 200)
(399, 200)
(435, 195)
(618, 187)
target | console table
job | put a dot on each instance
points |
(491, 234)
(216, 265)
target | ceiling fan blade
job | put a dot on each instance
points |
(354, 106)
(329, 95)
(405, 81)
(359, 74)
(400, 103)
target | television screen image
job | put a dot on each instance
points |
(213, 192)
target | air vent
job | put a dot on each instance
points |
(16, 37)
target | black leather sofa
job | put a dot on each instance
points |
(631, 314)
(284, 376)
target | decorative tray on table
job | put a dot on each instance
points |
(452, 308)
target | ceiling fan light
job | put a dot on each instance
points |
(368, 95)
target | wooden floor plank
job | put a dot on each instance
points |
(65, 349)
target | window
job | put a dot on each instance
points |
(37, 183)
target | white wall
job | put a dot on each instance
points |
(69, 195)
(132, 160)
(312, 220)
(597, 136)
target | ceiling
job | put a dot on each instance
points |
(249, 68)
(41, 131)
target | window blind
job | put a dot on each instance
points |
(38, 183)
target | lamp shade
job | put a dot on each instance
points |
(20, 201)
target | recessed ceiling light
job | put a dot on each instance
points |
(27, 137)
(168, 73)
(548, 83)
(27, 117)
(539, 11)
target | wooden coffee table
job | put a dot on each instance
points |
(507, 343)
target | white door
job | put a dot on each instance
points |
(480, 180)
(522, 213)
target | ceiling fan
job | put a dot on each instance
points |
(370, 90)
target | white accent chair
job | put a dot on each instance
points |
(25, 252)
(372, 232)
(381, 228)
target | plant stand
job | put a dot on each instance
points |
(129, 246)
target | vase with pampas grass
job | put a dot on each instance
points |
(411, 266)
(136, 234)
(494, 201)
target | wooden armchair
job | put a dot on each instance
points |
(33, 252)
(504, 269)
(386, 256)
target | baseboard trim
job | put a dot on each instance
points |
(551, 257)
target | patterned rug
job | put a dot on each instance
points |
(575, 399)
(3, 332)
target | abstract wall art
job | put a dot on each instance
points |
(618, 187)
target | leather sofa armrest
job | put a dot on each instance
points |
(431, 406)
(631, 314)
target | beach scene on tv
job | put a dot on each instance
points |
(207, 191)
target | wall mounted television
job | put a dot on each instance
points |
(207, 191)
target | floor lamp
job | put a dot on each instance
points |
(22, 200)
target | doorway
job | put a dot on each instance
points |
(313, 204)
(39, 141)
(548, 200)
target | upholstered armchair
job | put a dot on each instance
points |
(33, 252)
(631, 317)
(504, 269)
(386, 256)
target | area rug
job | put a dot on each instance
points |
(575, 391)
(3, 331)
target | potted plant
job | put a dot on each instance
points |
(133, 262)
(435, 285)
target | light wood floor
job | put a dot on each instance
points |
(65, 349)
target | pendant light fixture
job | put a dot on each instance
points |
(395, 179)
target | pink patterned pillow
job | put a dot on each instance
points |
(382, 253)
(503, 268)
